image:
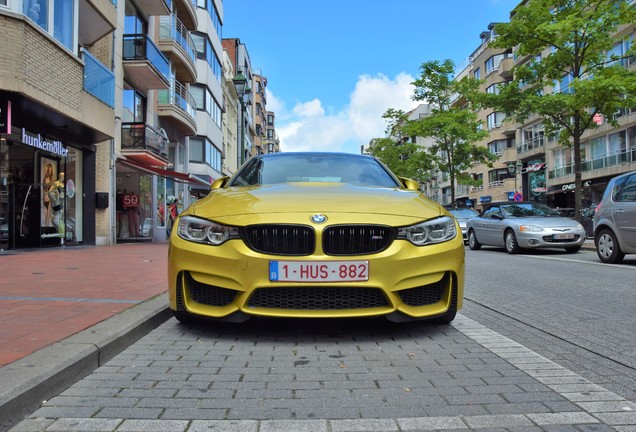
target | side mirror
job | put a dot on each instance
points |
(410, 184)
(219, 183)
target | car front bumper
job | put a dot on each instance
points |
(231, 281)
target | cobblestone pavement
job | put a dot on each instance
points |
(345, 376)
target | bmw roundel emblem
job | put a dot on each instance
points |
(318, 218)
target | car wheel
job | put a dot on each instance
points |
(572, 250)
(510, 240)
(183, 317)
(473, 244)
(607, 247)
(447, 318)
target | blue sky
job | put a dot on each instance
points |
(335, 66)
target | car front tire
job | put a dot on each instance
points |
(510, 240)
(607, 247)
(473, 244)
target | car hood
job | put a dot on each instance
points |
(314, 198)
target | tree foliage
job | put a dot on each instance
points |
(572, 73)
(452, 127)
(403, 158)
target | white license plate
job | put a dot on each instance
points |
(562, 236)
(318, 271)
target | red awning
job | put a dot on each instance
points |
(178, 176)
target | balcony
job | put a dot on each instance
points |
(154, 7)
(144, 144)
(187, 13)
(176, 43)
(505, 68)
(145, 67)
(97, 19)
(533, 146)
(177, 106)
(606, 162)
(98, 79)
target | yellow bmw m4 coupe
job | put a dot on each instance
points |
(316, 235)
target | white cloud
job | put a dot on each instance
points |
(307, 127)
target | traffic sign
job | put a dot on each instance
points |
(518, 196)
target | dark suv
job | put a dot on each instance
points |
(615, 219)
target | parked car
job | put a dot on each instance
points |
(586, 217)
(462, 215)
(316, 235)
(615, 219)
(520, 225)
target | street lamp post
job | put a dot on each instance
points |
(242, 89)
(514, 169)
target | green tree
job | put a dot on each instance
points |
(571, 68)
(452, 126)
(404, 158)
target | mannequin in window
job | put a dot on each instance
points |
(56, 199)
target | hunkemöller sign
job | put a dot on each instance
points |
(51, 146)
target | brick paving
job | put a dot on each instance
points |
(277, 375)
(47, 295)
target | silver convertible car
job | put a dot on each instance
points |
(519, 225)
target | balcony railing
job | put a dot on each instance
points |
(179, 96)
(140, 136)
(496, 183)
(534, 143)
(141, 47)
(98, 79)
(615, 159)
(170, 28)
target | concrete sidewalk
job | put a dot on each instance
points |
(66, 311)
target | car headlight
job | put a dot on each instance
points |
(204, 231)
(429, 232)
(530, 228)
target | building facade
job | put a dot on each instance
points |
(57, 120)
(536, 165)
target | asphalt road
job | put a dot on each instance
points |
(572, 309)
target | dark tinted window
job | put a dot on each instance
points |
(627, 191)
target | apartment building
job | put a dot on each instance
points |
(534, 164)
(168, 150)
(244, 83)
(118, 105)
(259, 114)
(271, 142)
(492, 66)
(57, 120)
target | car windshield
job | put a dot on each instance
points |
(314, 167)
(463, 213)
(527, 210)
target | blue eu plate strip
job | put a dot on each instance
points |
(273, 270)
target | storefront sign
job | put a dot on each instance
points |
(51, 146)
(485, 199)
(568, 187)
(5, 118)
